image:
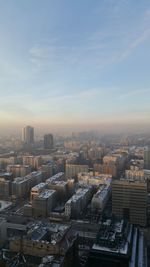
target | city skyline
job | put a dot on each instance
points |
(75, 63)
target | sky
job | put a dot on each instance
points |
(82, 62)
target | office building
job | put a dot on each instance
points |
(28, 135)
(129, 200)
(118, 244)
(48, 141)
(147, 159)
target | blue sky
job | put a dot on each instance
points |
(74, 62)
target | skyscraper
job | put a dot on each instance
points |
(28, 135)
(48, 141)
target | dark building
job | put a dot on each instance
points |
(48, 141)
(118, 244)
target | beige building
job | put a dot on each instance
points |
(107, 168)
(92, 178)
(129, 200)
(72, 170)
(36, 190)
(19, 170)
(33, 161)
(135, 174)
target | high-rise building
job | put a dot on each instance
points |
(147, 159)
(129, 200)
(48, 141)
(28, 135)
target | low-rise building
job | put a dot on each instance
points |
(72, 170)
(43, 203)
(78, 202)
(36, 190)
(19, 170)
(21, 186)
(101, 198)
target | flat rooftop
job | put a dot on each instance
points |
(38, 186)
(46, 193)
(114, 237)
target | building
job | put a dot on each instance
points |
(5, 187)
(107, 168)
(72, 170)
(43, 203)
(21, 186)
(51, 241)
(48, 141)
(47, 170)
(60, 187)
(60, 176)
(147, 159)
(28, 135)
(36, 190)
(101, 198)
(19, 170)
(135, 174)
(129, 200)
(33, 161)
(118, 244)
(94, 178)
(78, 202)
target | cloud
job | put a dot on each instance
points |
(143, 37)
(134, 93)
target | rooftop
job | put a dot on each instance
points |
(38, 186)
(79, 194)
(102, 192)
(46, 193)
(114, 236)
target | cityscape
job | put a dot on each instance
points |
(74, 133)
(74, 200)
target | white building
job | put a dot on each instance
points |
(100, 199)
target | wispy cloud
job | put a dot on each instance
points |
(134, 93)
(143, 37)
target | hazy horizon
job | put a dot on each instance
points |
(75, 64)
(68, 129)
